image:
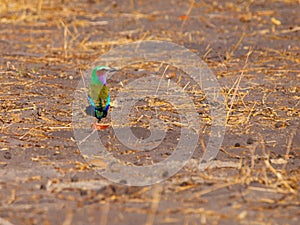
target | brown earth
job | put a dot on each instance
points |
(253, 47)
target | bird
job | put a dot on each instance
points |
(98, 94)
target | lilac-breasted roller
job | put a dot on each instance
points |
(99, 96)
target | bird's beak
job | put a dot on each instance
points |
(111, 70)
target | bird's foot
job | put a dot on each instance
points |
(99, 126)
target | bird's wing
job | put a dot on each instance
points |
(95, 89)
(94, 94)
(104, 96)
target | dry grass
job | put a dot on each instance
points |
(45, 57)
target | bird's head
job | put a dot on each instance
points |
(102, 71)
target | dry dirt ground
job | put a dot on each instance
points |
(253, 47)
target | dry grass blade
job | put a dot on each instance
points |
(289, 146)
(279, 176)
(236, 86)
(68, 219)
(187, 14)
(215, 188)
(4, 222)
(157, 189)
(235, 47)
(104, 214)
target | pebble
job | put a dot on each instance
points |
(7, 155)
(279, 124)
(250, 141)
(237, 145)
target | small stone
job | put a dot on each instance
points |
(170, 75)
(114, 4)
(56, 153)
(39, 111)
(123, 181)
(83, 192)
(7, 155)
(250, 141)
(74, 178)
(237, 145)
(279, 124)
(165, 174)
(184, 183)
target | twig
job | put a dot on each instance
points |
(69, 218)
(267, 190)
(29, 131)
(288, 30)
(252, 151)
(39, 7)
(154, 204)
(161, 79)
(235, 47)
(250, 113)
(4, 222)
(236, 86)
(279, 176)
(132, 5)
(289, 146)
(22, 109)
(214, 188)
(207, 52)
(187, 14)
(185, 86)
(66, 32)
(104, 214)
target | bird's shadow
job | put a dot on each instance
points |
(90, 111)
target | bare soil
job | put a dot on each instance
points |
(253, 47)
